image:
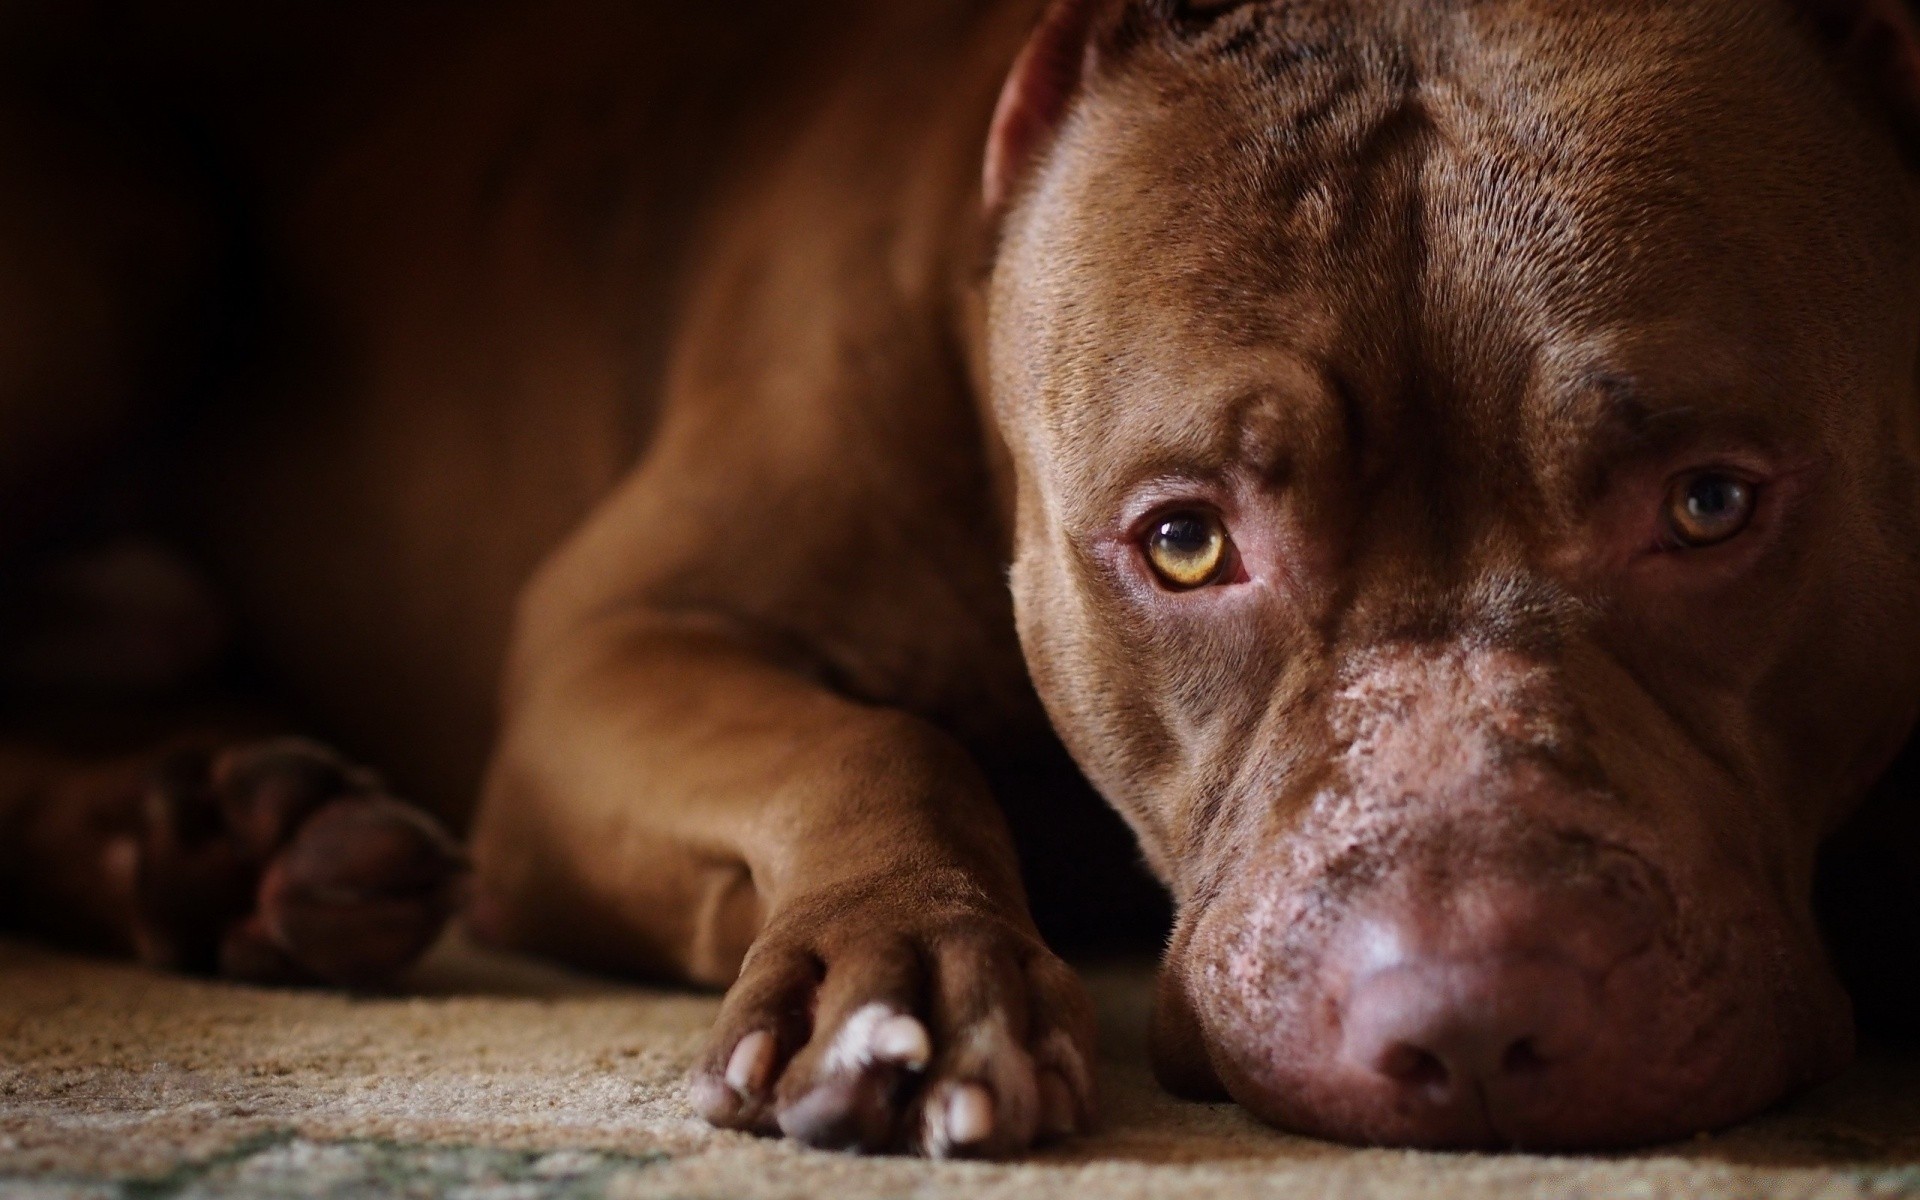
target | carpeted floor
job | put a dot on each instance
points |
(497, 1079)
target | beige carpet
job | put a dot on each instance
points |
(499, 1079)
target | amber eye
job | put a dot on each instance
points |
(1709, 508)
(1189, 550)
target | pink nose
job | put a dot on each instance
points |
(1492, 1014)
(1463, 1002)
(1467, 1047)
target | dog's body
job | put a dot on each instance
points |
(671, 375)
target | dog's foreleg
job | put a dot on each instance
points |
(669, 800)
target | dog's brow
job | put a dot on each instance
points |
(1618, 413)
(1605, 419)
(1615, 416)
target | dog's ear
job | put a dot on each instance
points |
(1073, 38)
(1879, 45)
(1045, 79)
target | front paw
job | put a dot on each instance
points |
(864, 1021)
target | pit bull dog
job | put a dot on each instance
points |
(1454, 462)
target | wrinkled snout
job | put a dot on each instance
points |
(1543, 1013)
(1462, 943)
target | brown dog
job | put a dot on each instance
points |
(1457, 462)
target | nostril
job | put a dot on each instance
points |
(1523, 1058)
(1415, 1067)
(1438, 1030)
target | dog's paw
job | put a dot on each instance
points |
(276, 862)
(857, 1025)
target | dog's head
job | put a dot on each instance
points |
(1468, 523)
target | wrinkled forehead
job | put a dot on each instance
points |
(1503, 213)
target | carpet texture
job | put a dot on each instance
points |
(496, 1079)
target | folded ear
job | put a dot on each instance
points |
(1045, 79)
(1879, 41)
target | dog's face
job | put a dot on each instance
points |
(1468, 523)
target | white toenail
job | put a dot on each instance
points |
(752, 1064)
(969, 1115)
(877, 1033)
(711, 1099)
(989, 1039)
(903, 1040)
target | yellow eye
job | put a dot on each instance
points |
(1189, 550)
(1709, 508)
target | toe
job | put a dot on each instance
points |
(267, 789)
(984, 1096)
(372, 847)
(849, 1086)
(363, 889)
(731, 1097)
(1059, 1110)
(763, 1020)
(189, 881)
(1064, 1038)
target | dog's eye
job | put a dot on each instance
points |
(1189, 550)
(1709, 508)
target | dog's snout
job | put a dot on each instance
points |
(1459, 1045)
(1548, 1003)
(1475, 935)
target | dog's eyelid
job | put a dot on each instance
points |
(1660, 465)
(1615, 424)
(1169, 493)
(1144, 524)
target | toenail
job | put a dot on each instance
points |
(712, 1099)
(877, 1033)
(751, 1065)
(969, 1115)
(903, 1040)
